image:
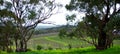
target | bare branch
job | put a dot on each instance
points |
(115, 12)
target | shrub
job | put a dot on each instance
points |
(39, 47)
(9, 50)
(50, 48)
(29, 50)
(58, 48)
(69, 46)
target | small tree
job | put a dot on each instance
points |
(39, 47)
(62, 33)
(70, 19)
(7, 29)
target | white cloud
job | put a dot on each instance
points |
(60, 18)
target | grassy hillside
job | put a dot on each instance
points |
(55, 42)
(60, 46)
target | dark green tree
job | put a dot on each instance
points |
(70, 22)
(62, 33)
(70, 19)
(7, 26)
(98, 15)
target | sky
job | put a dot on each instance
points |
(60, 18)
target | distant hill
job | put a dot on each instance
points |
(51, 29)
(44, 26)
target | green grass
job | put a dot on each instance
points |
(87, 50)
(62, 44)
(66, 41)
(43, 41)
(54, 42)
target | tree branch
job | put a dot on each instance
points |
(114, 13)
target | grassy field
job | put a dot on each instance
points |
(60, 46)
(87, 50)
(53, 41)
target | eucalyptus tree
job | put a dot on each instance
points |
(26, 15)
(101, 18)
(7, 31)
(70, 18)
(6, 27)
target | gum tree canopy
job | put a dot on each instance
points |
(25, 15)
(101, 18)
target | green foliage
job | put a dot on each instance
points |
(99, 21)
(39, 47)
(87, 5)
(34, 1)
(113, 23)
(117, 1)
(70, 6)
(62, 33)
(87, 50)
(6, 13)
(70, 18)
(71, 34)
(8, 5)
(29, 49)
(3, 52)
(50, 48)
(1, 2)
(32, 15)
(18, 19)
(69, 46)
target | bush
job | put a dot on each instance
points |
(29, 50)
(10, 50)
(62, 33)
(39, 47)
(69, 46)
(58, 48)
(50, 48)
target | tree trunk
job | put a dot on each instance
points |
(21, 45)
(16, 44)
(25, 47)
(7, 42)
(102, 41)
